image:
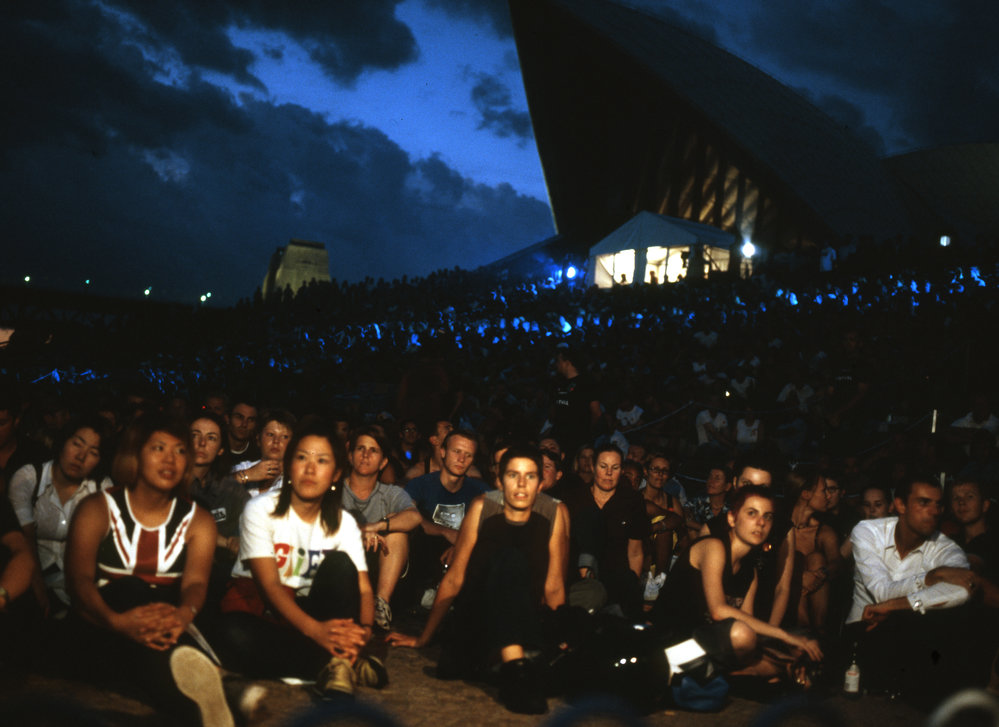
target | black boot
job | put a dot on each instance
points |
(521, 689)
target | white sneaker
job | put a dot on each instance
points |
(383, 614)
(200, 680)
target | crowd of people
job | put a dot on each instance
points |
(767, 479)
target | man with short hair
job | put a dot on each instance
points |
(432, 461)
(241, 425)
(980, 543)
(385, 514)
(443, 498)
(576, 409)
(906, 567)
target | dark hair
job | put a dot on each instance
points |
(219, 466)
(883, 489)
(958, 481)
(803, 478)
(100, 426)
(553, 456)
(520, 451)
(125, 468)
(329, 508)
(630, 464)
(282, 416)
(609, 447)
(744, 493)
(725, 469)
(904, 488)
(464, 433)
(370, 430)
(754, 460)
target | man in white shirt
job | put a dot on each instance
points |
(906, 572)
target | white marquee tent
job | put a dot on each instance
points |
(667, 247)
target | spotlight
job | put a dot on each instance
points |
(570, 272)
(748, 249)
(944, 240)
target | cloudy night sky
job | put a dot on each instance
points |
(176, 145)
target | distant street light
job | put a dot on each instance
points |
(147, 291)
(27, 278)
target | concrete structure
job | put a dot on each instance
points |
(293, 266)
(631, 113)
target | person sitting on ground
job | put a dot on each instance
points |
(713, 503)
(609, 528)
(385, 514)
(876, 502)
(432, 461)
(265, 473)
(710, 595)
(220, 494)
(137, 569)
(979, 541)
(583, 464)
(442, 499)
(241, 428)
(15, 450)
(300, 603)
(817, 557)
(17, 608)
(908, 579)
(775, 561)
(631, 474)
(45, 496)
(509, 565)
(665, 515)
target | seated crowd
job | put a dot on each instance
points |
(172, 550)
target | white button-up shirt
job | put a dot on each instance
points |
(50, 516)
(880, 574)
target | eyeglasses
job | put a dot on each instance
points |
(659, 470)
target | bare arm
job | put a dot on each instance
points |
(708, 556)
(558, 550)
(398, 522)
(782, 591)
(635, 556)
(452, 582)
(17, 576)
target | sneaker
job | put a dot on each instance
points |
(369, 671)
(428, 598)
(383, 614)
(200, 680)
(335, 681)
(653, 585)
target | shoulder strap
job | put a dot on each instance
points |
(35, 493)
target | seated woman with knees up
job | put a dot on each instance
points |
(137, 565)
(300, 604)
(710, 592)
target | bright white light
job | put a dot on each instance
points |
(147, 291)
(944, 240)
(570, 272)
(27, 278)
(204, 298)
(748, 249)
(208, 294)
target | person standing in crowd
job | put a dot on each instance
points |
(45, 496)
(576, 409)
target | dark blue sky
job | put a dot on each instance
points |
(176, 145)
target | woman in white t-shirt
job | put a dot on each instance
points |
(300, 602)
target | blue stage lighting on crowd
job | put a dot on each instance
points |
(792, 299)
(570, 272)
(565, 324)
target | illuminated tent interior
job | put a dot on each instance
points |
(655, 246)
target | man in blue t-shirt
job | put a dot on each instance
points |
(442, 498)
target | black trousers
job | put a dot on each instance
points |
(260, 648)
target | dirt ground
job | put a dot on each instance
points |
(414, 698)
